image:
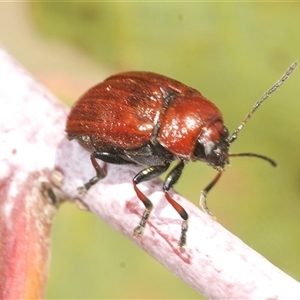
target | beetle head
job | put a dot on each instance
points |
(212, 146)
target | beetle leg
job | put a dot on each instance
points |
(171, 179)
(112, 158)
(100, 173)
(205, 192)
(145, 175)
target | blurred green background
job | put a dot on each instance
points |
(232, 53)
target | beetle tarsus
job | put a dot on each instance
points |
(184, 229)
(82, 190)
(138, 231)
(203, 204)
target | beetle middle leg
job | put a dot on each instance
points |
(145, 175)
(171, 179)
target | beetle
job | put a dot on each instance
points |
(147, 119)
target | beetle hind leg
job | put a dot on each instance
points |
(100, 173)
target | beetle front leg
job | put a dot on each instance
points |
(204, 193)
(171, 179)
(145, 175)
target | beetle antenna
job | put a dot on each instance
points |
(268, 159)
(266, 95)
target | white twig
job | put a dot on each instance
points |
(214, 262)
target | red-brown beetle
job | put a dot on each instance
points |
(151, 120)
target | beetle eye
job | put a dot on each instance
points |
(217, 151)
(209, 147)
